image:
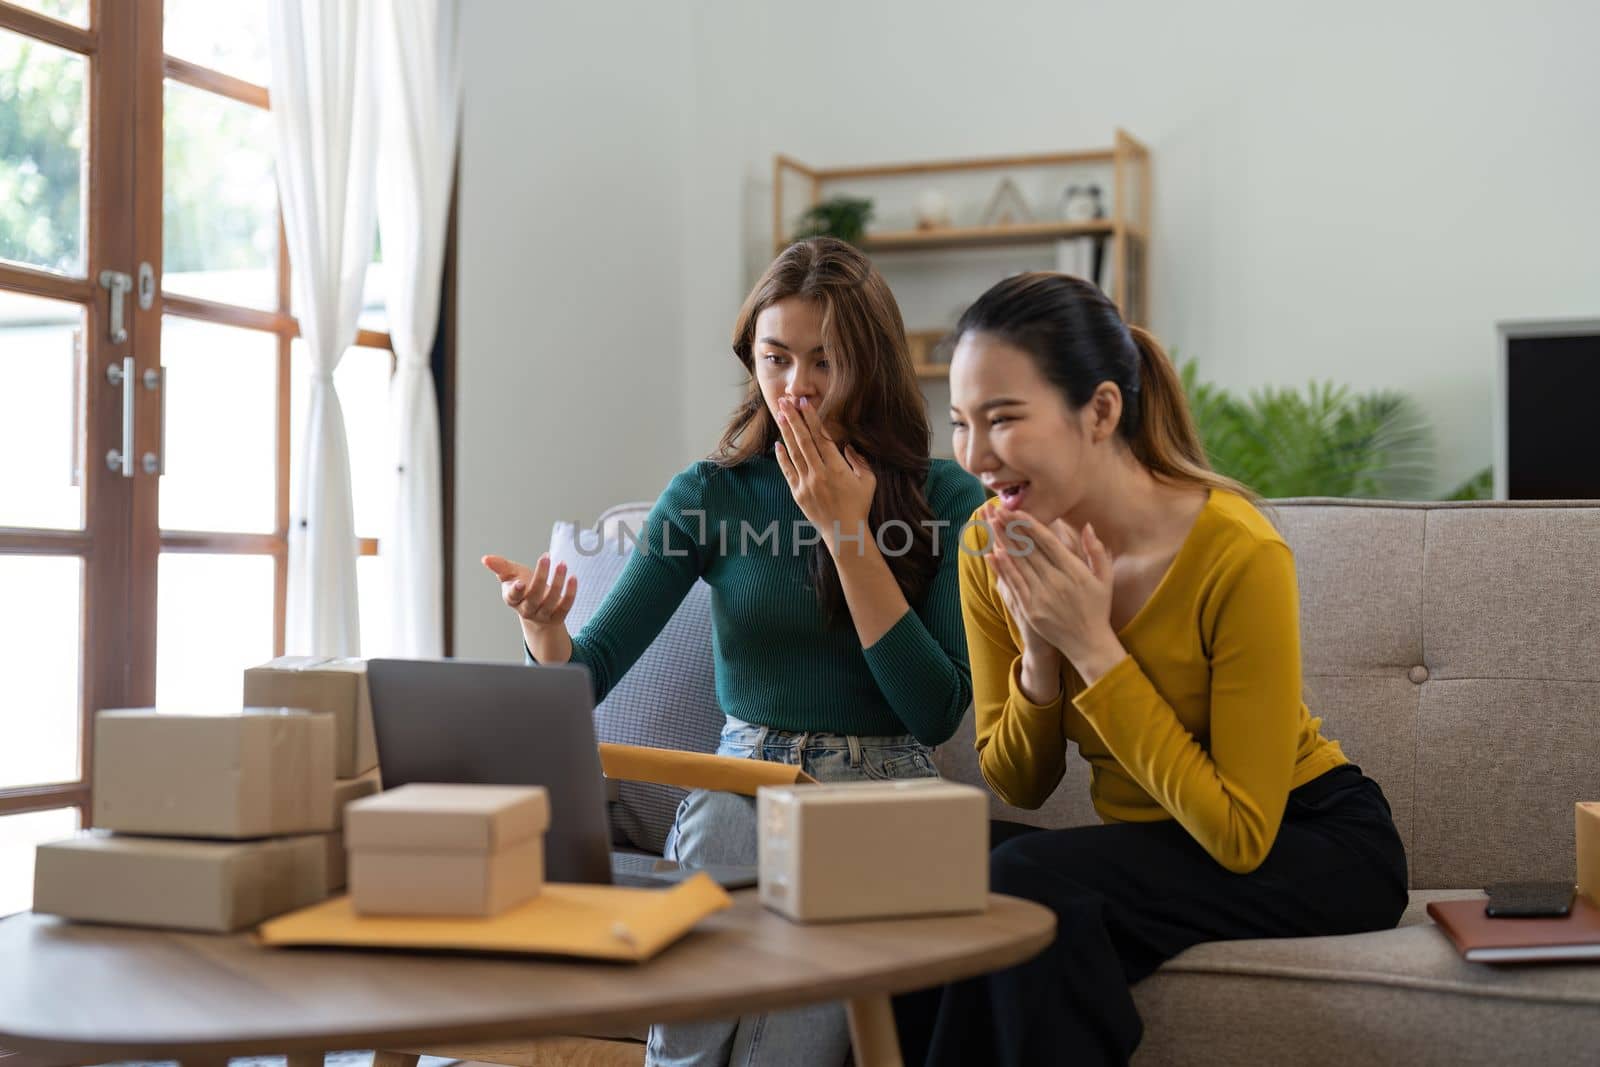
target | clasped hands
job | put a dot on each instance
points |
(1057, 585)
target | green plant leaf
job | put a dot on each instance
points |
(844, 217)
(1323, 440)
(1478, 487)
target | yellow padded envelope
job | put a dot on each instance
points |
(694, 770)
(590, 921)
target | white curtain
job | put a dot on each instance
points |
(420, 77)
(325, 124)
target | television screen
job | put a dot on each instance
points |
(1550, 405)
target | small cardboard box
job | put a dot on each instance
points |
(345, 790)
(446, 849)
(336, 863)
(1588, 819)
(218, 886)
(255, 772)
(336, 686)
(864, 850)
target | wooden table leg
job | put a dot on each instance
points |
(380, 1058)
(872, 1032)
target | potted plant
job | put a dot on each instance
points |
(1323, 441)
(844, 217)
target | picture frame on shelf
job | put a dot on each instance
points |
(930, 351)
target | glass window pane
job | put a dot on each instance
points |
(42, 180)
(40, 647)
(374, 299)
(362, 380)
(222, 411)
(372, 591)
(219, 201)
(18, 836)
(41, 412)
(74, 12)
(213, 619)
(230, 37)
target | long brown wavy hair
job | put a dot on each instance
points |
(873, 398)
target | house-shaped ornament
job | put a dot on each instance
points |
(1006, 206)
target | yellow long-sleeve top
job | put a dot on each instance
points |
(1203, 722)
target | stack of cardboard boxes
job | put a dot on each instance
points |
(216, 821)
(339, 688)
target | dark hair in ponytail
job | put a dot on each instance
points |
(1077, 338)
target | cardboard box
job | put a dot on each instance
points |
(446, 849)
(477, 884)
(346, 790)
(864, 850)
(217, 886)
(255, 772)
(336, 686)
(336, 863)
(1588, 819)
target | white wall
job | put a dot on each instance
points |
(570, 244)
(1356, 193)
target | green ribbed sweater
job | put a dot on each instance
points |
(777, 664)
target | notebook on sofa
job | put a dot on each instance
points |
(1484, 940)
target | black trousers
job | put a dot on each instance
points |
(1130, 896)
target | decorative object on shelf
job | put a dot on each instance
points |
(933, 210)
(1079, 257)
(844, 217)
(1083, 257)
(1007, 206)
(930, 348)
(1081, 203)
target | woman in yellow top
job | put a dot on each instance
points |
(1138, 605)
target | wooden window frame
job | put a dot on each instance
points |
(145, 72)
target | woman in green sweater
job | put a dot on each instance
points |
(829, 538)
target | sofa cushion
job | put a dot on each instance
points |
(1395, 996)
(1453, 649)
(668, 699)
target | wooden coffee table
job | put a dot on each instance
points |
(73, 992)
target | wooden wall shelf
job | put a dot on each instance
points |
(982, 236)
(1125, 230)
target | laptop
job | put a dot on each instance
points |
(503, 724)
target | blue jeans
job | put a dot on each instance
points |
(719, 828)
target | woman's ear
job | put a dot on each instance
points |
(1105, 411)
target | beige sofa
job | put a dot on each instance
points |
(1454, 650)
